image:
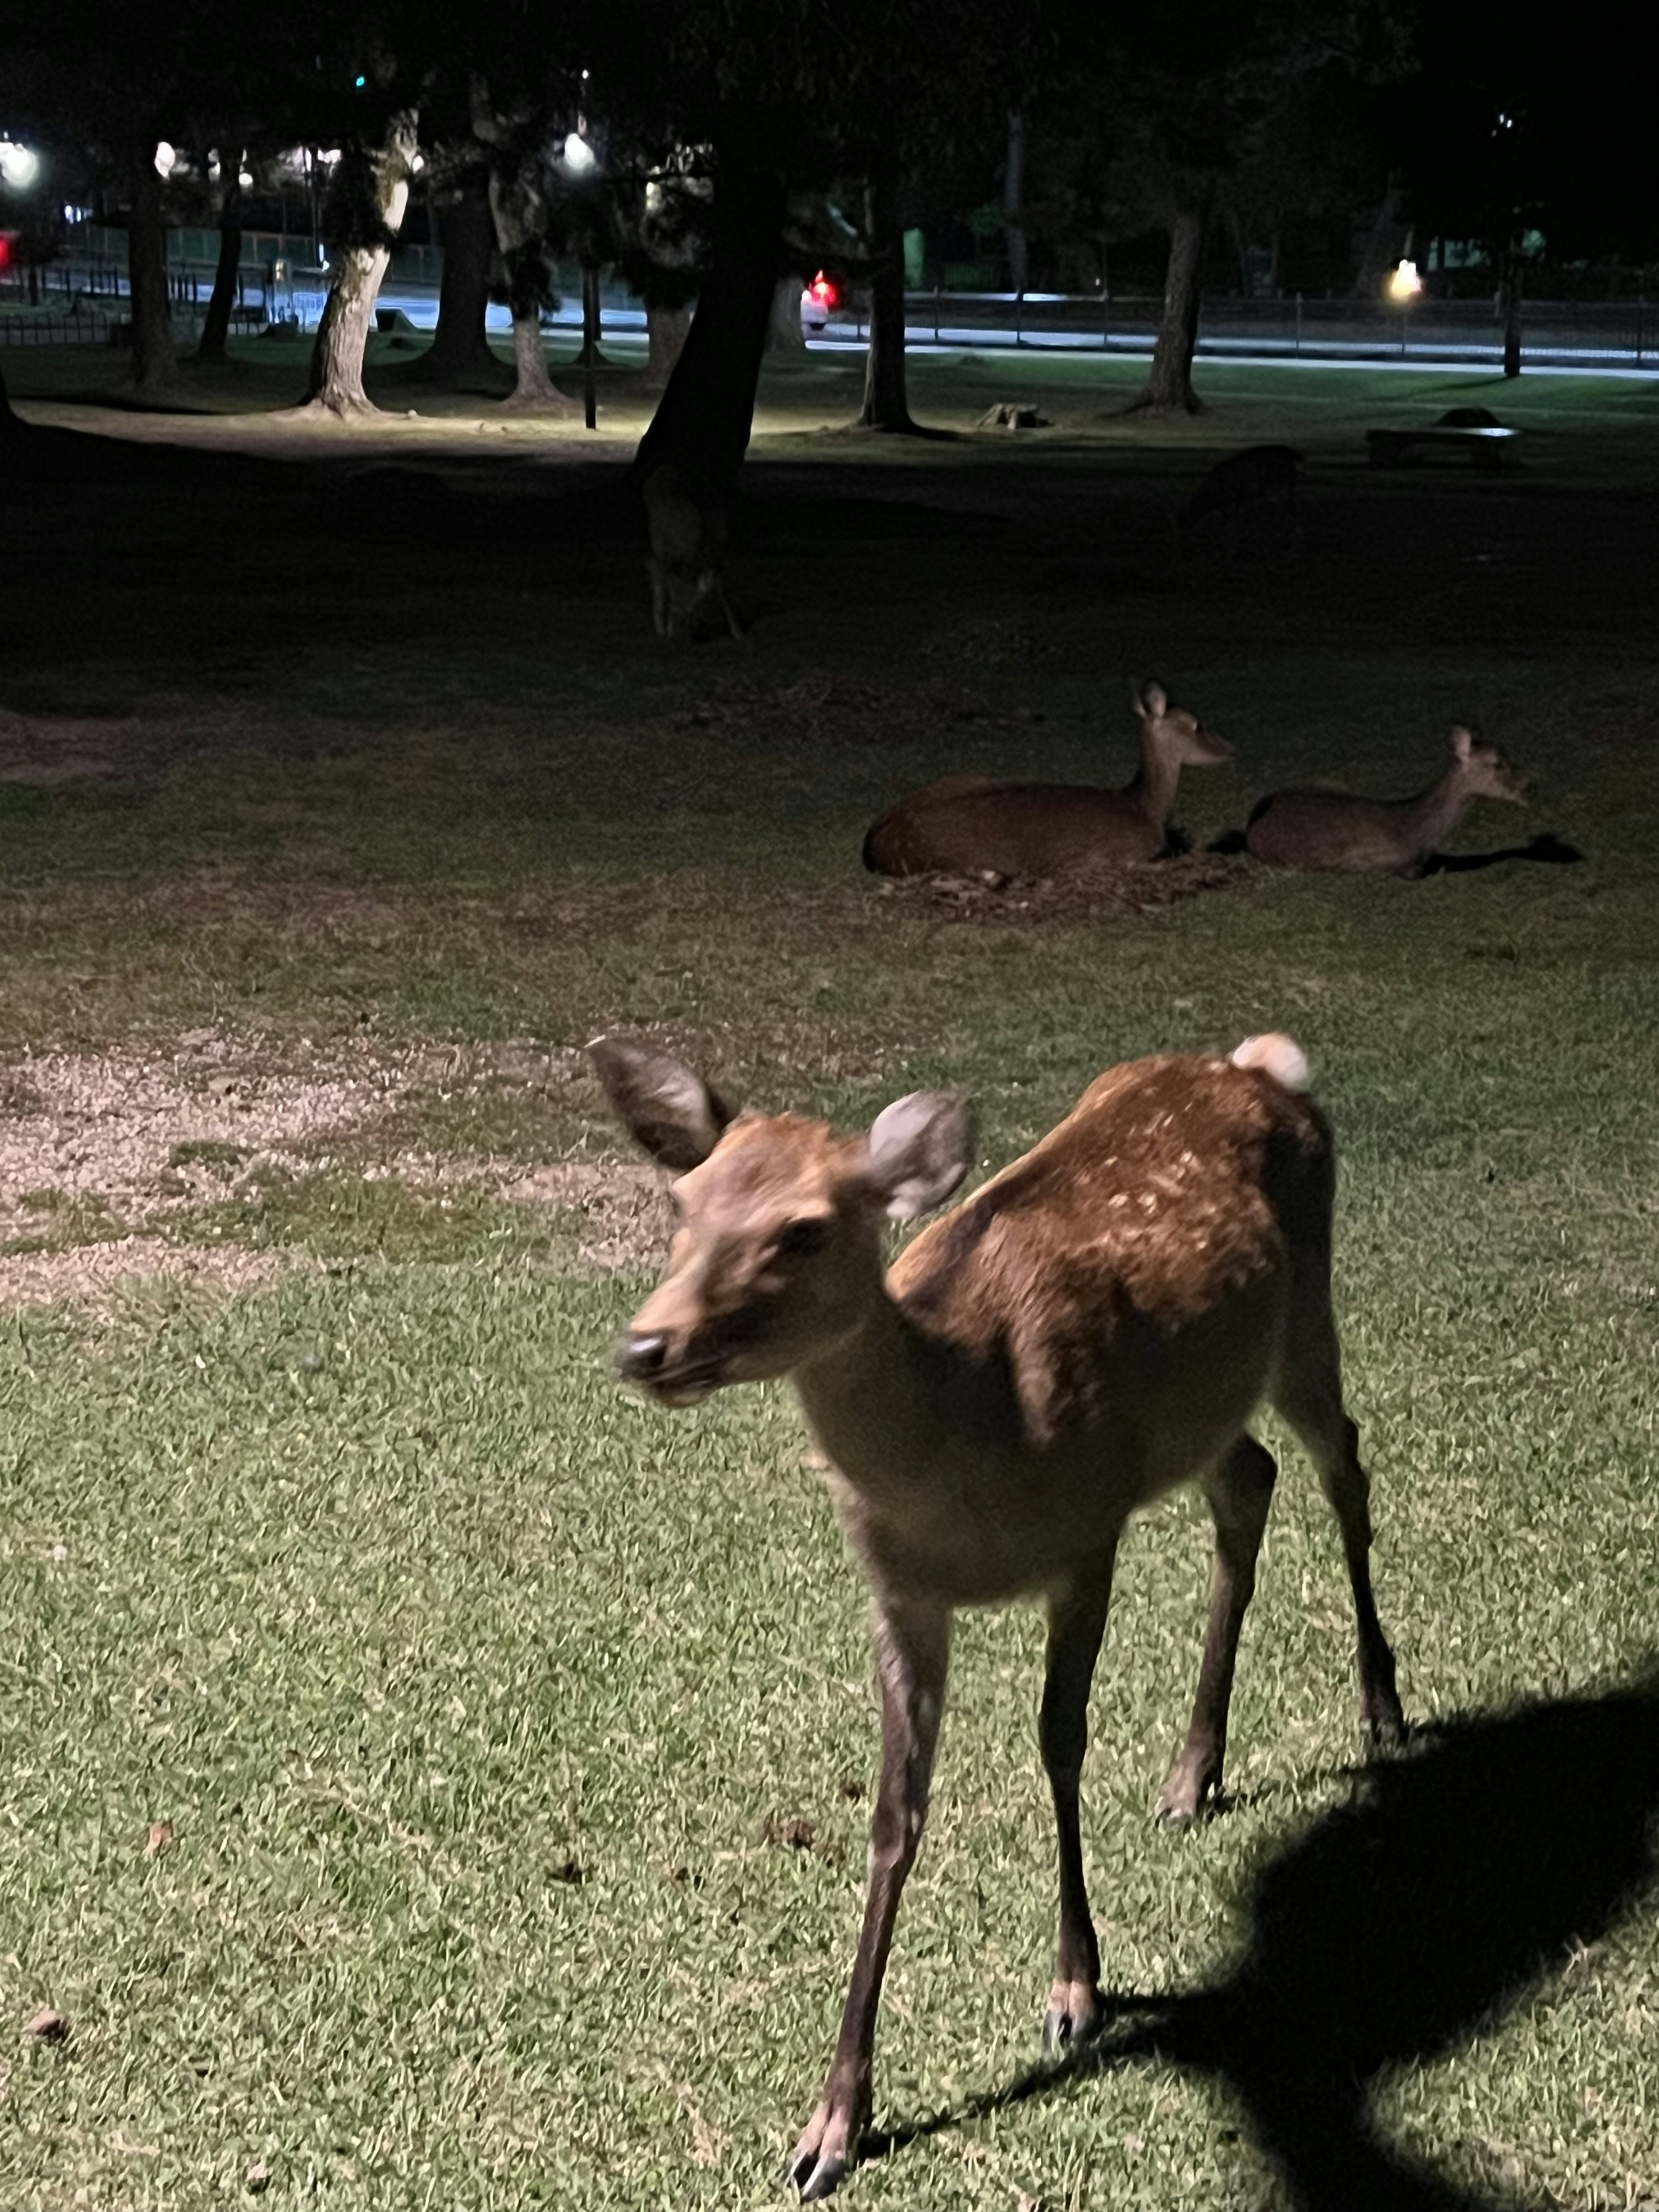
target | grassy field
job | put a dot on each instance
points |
(428, 1776)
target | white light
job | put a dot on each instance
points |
(419, 163)
(1405, 284)
(165, 157)
(18, 164)
(244, 178)
(579, 156)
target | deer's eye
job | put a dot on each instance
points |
(797, 1239)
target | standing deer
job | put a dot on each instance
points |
(1094, 1326)
(685, 519)
(972, 825)
(1333, 829)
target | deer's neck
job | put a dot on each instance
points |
(889, 1403)
(1439, 809)
(1151, 789)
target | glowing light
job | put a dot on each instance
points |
(1405, 284)
(244, 178)
(579, 156)
(167, 158)
(823, 291)
(18, 164)
(362, 81)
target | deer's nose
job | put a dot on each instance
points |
(641, 1356)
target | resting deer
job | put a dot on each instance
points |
(685, 517)
(1333, 829)
(973, 824)
(1094, 1326)
(1256, 476)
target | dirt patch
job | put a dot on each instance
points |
(627, 1207)
(99, 1275)
(825, 708)
(1076, 898)
(140, 1135)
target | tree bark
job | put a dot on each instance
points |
(534, 392)
(211, 344)
(667, 329)
(886, 401)
(1013, 200)
(458, 358)
(154, 360)
(1512, 311)
(337, 363)
(1169, 385)
(705, 415)
(784, 332)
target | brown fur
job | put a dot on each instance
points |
(967, 824)
(1095, 1325)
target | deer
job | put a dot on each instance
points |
(1256, 476)
(1336, 830)
(686, 519)
(1092, 1328)
(979, 824)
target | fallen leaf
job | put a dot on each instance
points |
(160, 1835)
(49, 2027)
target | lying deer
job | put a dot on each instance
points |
(1333, 829)
(1094, 1326)
(973, 824)
(685, 517)
(1256, 476)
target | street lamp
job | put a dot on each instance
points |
(1405, 284)
(19, 165)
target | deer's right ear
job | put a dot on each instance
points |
(675, 1116)
(1462, 741)
(918, 1151)
(1152, 702)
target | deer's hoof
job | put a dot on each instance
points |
(1073, 2016)
(826, 2151)
(1194, 1782)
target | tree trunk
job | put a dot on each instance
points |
(211, 345)
(886, 405)
(705, 415)
(667, 329)
(784, 333)
(1169, 385)
(1013, 200)
(458, 358)
(155, 362)
(1512, 313)
(337, 363)
(534, 392)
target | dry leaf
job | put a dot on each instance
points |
(160, 1835)
(49, 2027)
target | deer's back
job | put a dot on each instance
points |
(1330, 829)
(1166, 1206)
(685, 517)
(961, 825)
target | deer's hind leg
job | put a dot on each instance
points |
(1077, 1622)
(1239, 1488)
(1308, 1394)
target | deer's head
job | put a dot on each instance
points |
(1486, 774)
(1180, 737)
(777, 1251)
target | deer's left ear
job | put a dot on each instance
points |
(1462, 741)
(918, 1151)
(664, 1106)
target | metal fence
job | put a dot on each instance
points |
(280, 281)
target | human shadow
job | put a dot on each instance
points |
(1547, 848)
(1459, 1877)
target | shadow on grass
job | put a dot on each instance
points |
(1461, 1877)
(1547, 848)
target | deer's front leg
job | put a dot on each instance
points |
(913, 1646)
(1077, 1622)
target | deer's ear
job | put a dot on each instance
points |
(918, 1151)
(1153, 702)
(1462, 741)
(675, 1116)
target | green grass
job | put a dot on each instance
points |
(479, 1695)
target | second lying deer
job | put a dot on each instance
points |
(1337, 830)
(976, 825)
(1094, 1326)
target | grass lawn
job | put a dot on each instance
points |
(429, 1777)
